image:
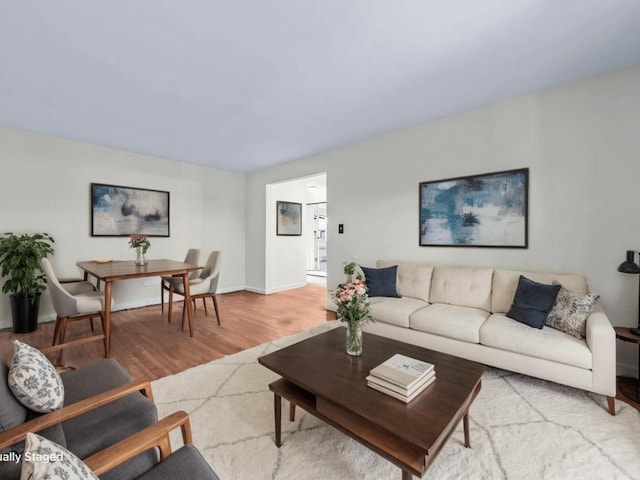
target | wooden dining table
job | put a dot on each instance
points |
(112, 271)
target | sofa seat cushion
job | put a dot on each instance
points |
(451, 321)
(395, 311)
(106, 425)
(504, 333)
(186, 462)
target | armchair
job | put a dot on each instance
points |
(73, 301)
(102, 406)
(205, 285)
(193, 257)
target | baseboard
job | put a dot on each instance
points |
(284, 288)
(625, 370)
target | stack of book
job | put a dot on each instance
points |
(402, 377)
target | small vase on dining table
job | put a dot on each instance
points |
(354, 338)
(140, 258)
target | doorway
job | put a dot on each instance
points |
(317, 258)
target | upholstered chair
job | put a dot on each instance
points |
(193, 257)
(205, 285)
(72, 301)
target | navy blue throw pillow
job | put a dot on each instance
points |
(381, 282)
(532, 302)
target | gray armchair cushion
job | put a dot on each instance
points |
(186, 462)
(111, 423)
(12, 412)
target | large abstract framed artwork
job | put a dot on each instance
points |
(488, 210)
(288, 218)
(122, 211)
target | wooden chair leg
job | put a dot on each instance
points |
(104, 340)
(612, 405)
(93, 330)
(162, 297)
(170, 302)
(56, 331)
(215, 307)
(204, 302)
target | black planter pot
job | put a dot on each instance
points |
(24, 311)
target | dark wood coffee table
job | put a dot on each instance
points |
(319, 376)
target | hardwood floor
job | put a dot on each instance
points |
(148, 346)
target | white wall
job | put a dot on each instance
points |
(581, 142)
(44, 187)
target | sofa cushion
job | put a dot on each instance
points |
(186, 462)
(12, 412)
(46, 459)
(451, 321)
(505, 283)
(570, 311)
(504, 333)
(381, 282)
(395, 310)
(532, 302)
(114, 421)
(462, 286)
(413, 280)
(34, 380)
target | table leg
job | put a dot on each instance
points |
(187, 301)
(465, 424)
(406, 475)
(277, 409)
(107, 318)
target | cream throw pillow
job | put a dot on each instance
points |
(34, 380)
(45, 460)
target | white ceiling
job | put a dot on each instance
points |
(244, 84)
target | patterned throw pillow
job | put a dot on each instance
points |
(33, 379)
(44, 459)
(569, 313)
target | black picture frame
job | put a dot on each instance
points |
(288, 218)
(487, 210)
(119, 211)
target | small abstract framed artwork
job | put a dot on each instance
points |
(489, 210)
(288, 218)
(122, 211)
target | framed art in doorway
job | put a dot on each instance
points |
(288, 218)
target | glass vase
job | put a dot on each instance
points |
(354, 338)
(140, 258)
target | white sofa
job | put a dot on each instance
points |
(462, 311)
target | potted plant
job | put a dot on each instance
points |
(20, 263)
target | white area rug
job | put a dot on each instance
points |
(521, 428)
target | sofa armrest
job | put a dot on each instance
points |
(19, 433)
(601, 340)
(156, 435)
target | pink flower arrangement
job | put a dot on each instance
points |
(352, 301)
(139, 241)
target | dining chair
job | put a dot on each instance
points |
(72, 301)
(205, 285)
(193, 257)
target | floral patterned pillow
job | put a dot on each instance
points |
(45, 459)
(34, 380)
(569, 313)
